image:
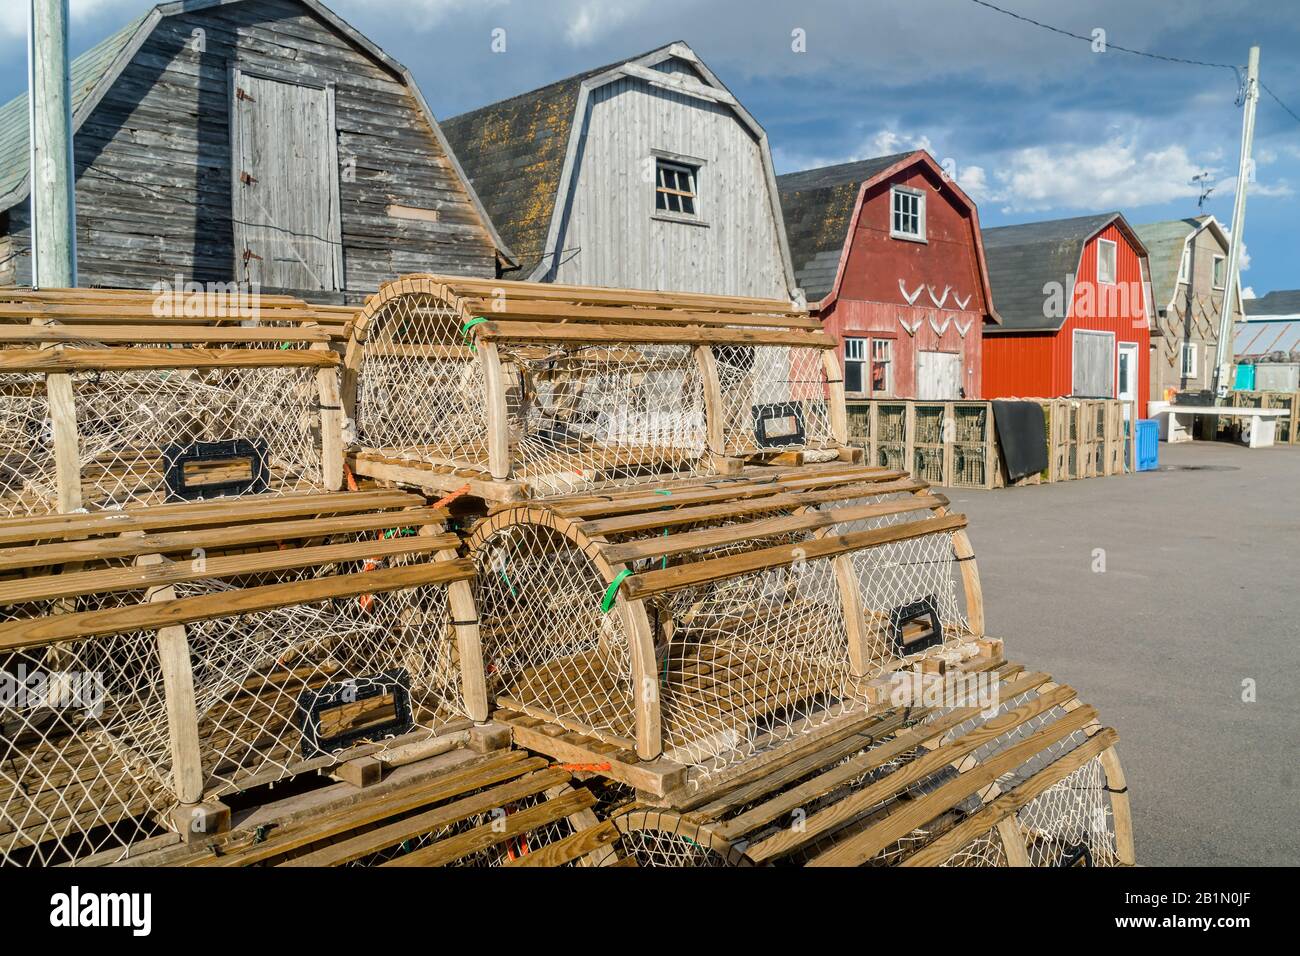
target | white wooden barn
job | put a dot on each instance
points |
(645, 174)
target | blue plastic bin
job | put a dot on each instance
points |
(1244, 381)
(1148, 444)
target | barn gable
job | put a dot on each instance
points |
(560, 167)
(156, 151)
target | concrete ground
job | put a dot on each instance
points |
(1199, 594)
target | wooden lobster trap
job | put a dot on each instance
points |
(524, 390)
(156, 659)
(106, 415)
(1026, 777)
(678, 632)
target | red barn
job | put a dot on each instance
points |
(1074, 299)
(888, 253)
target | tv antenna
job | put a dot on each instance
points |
(1202, 181)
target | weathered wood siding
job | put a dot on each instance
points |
(609, 236)
(154, 177)
(1193, 317)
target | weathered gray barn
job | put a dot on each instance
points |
(644, 174)
(264, 141)
(1189, 267)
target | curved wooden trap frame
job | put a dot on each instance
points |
(523, 390)
(930, 787)
(584, 600)
(230, 646)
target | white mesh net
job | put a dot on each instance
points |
(1072, 822)
(27, 478)
(420, 391)
(128, 422)
(749, 662)
(547, 647)
(126, 419)
(584, 415)
(274, 690)
(786, 383)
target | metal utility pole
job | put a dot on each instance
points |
(1223, 370)
(49, 98)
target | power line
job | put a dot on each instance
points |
(1279, 102)
(1123, 49)
(1109, 45)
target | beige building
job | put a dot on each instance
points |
(1189, 266)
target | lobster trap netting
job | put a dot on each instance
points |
(275, 692)
(420, 393)
(84, 758)
(905, 587)
(548, 649)
(28, 483)
(667, 839)
(277, 688)
(1071, 823)
(580, 415)
(775, 397)
(986, 850)
(748, 662)
(168, 434)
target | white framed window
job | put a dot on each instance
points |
(1106, 253)
(855, 361)
(882, 366)
(1185, 265)
(1188, 368)
(907, 213)
(1220, 271)
(868, 365)
(676, 186)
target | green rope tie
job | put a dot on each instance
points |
(611, 592)
(477, 320)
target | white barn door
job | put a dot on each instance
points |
(286, 207)
(938, 375)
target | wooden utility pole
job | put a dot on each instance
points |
(49, 99)
(1226, 355)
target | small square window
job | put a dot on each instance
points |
(908, 214)
(868, 366)
(1106, 260)
(675, 185)
(1220, 271)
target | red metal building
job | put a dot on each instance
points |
(1074, 298)
(888, 253)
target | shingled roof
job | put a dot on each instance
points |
(1279, 302)
(1022, 259)
(98, 68)
(818, 208)
(513, 152)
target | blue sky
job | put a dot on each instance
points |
(1038, 126)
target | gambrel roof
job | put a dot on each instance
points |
(95, 71)
(1023, 259)
(821, 207)
(521, 153)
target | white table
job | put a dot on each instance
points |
(1257, 430)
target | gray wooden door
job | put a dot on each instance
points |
(938, 375)
(286, 207)
(1094, 364)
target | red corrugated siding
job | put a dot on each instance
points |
(1040, 365)
(870, 300)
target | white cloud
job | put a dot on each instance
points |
(1112, 175)
(1228, 187)
(13, 14)
(1248, 293)
(595, 19)
(974, 182)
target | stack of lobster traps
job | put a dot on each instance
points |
(498, 574)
